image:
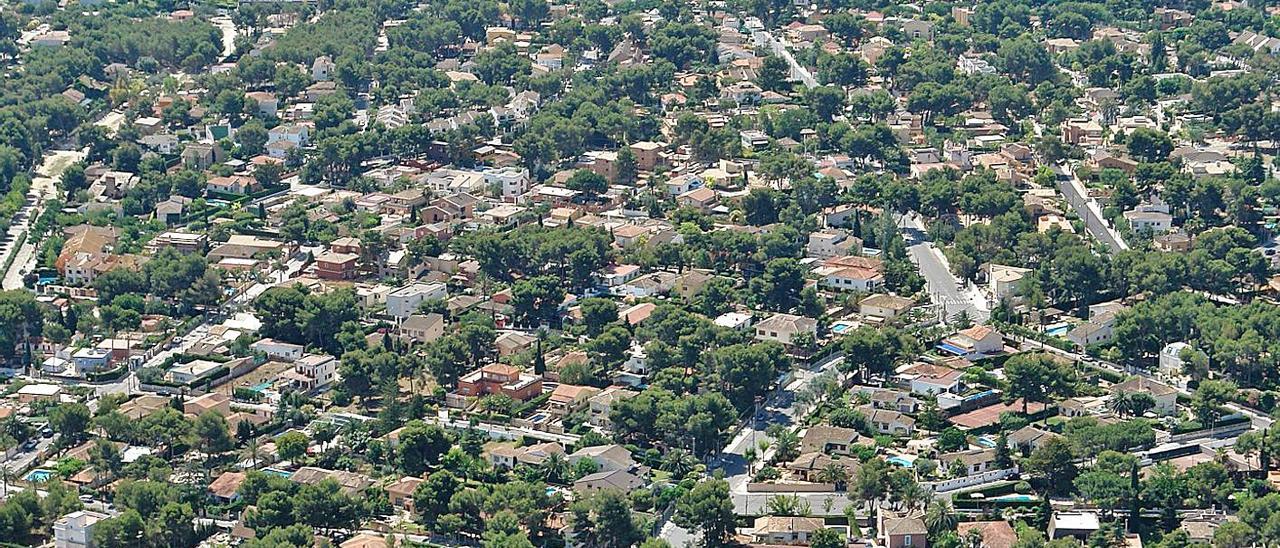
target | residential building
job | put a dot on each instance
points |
(75, 530)
(422, 328)
(405, 300)
(312, 371)
(500, 379)
(780, 530)
(337, 266)
(784, 328)
(901, 531)
(1165, 396)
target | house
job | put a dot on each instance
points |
(75, 530)
(1003, 281)
(607, 457)
(784, 328)
(350, 483)
(895, 400)
(238, 185)
(1166, 397)
(170, 211)
(322, 68)
(506, 455)
(1028, 439)
(337, 266)
(742, 93)
(824, 438)
(648, 154)
(87, 360)
(278, 350)
(200, 156)
(511, 181)
(298, 134)
(513, 342)
(832, 242)
(568, 398)
(883, 307)
(500, 379)
(214, 401)
(39, 392)
(1142, 220)
(225, 489)
(702, 199)
(975, 342)
(1173, 242)
(1073, 524)
(601, 405)
(312, 371)
(930, 380)
(400, 492)
(901, 531)
(994, 534)
(809, 466)
(422, 328)
(974, 461)
(618, 275)
(1171, 361)
(887, 421)
(405, 300)
(783, 530)
(619, 480)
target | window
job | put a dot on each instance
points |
(906, 540)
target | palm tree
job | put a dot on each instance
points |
(1121, 404)
(678, 462)
(6, 476)
(834, 474)
(939, 518)
(555, 467)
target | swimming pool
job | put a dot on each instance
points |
(261, 387)
(1015, 498)
(39, 476)
(839, 328)
(900, 460)
(277, 472)
(1058, 329)
(987, 441)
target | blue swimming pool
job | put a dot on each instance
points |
(277, 472)
(839, 328)
(1058, 329)
(39, 476)
(1015, 498)
(900, 461)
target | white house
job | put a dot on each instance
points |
(850, 278)
(1166, 397)
(312, 371)
(279, 350)
(1002, 281)
(1171, 362)
(512, 181)
(91, 359)
(405, 300)
(75, 530)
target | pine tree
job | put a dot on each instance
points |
(539, 361)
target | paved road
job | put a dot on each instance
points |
(779, 46)
(1087, 209)
(43, 187)
(22, 461)
(782, 408)
(1260, 421)
(944, 289)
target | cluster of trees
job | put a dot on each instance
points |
(294, 314)
(23, 513)
(279, 503)
(116, 38)
(171, 276)
(571, 254)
